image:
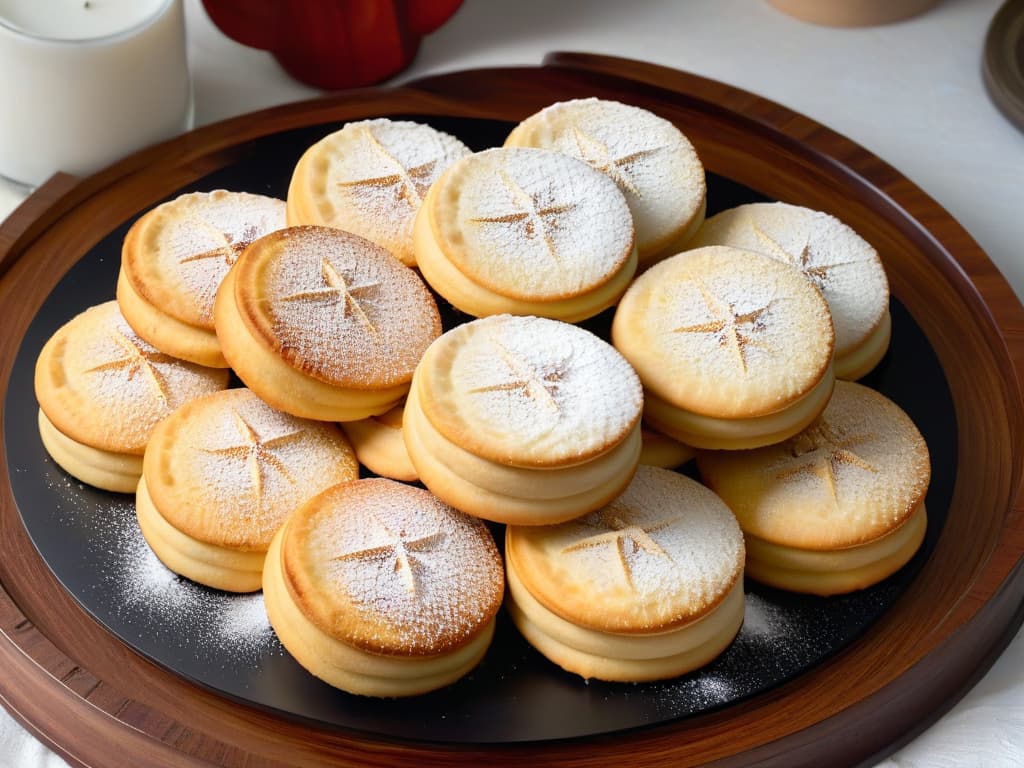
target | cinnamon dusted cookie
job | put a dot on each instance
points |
(646, 588)
(173, 260)
(380, 589)
(523, 420)
(844, 267)
(370, 178)
(734, 348)
(839, 506)
(323, 324)
(526, 232)
(102, 390)
(222, 473)
(650, 160)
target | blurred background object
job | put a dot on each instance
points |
(852, 13)
(333, 44)
(1003, 66)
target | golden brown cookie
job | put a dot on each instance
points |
(523, 420)
(734, 348)
(174, 258)
(370, 178)
(222, 473)
(526, 232)
(646, 588)
(379, 445)
(838, 507)
(101, 390)
(380, 589)
(323, 324)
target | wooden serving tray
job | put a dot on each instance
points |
(96, 702)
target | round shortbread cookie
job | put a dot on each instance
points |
(324, 324)
(650, 160)
(370, 178)
(651, 582)
(528, 391)
(101, 391)
(526, 231)
(399, 589)
(174, 258)
(839, 496)
(225, 470)
(523, 420)
(734, 348)
(844, 267)
(379, 445)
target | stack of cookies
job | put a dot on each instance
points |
(727, 345)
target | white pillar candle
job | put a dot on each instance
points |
(83, 83)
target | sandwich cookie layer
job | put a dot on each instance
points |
(220, 476)
(380, 589)
(523, 419)
(734, 348)
(526, 232)
(650, 160)
(379, 445)
(844, 267)
(101, 391)
(838, 507)
(370, 178)
(648, 587)
(324, 324)
(173, 260)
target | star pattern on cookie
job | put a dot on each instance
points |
(820, 451)
(626, 538)
(599, 156)
(536, 217)
(337, 290)
(257, 453)
(136, 359)
(410, 184)
(523, 377)
(736, 330)
(229, 251)
(401, 552)
(817, 273)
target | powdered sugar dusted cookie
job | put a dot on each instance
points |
(734, 348)
(649, 159)
(839, 506)
(380, 589)
(102, 390)
(648, 587)
(323, 324)
(370, 178)
(173, 260)
(222, 473)
(523, 419)
(844, 267)
(526, 232)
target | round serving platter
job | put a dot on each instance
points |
(82, 689)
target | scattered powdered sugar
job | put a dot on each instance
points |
(534, 387)
(396, 556)
(144, 601)
(828, 252)
(375, 174)
(198, 236)
(534, 223)
(343, 310)
(652, 162)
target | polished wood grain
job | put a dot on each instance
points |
(98, 703)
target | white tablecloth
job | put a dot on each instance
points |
(909, 92)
